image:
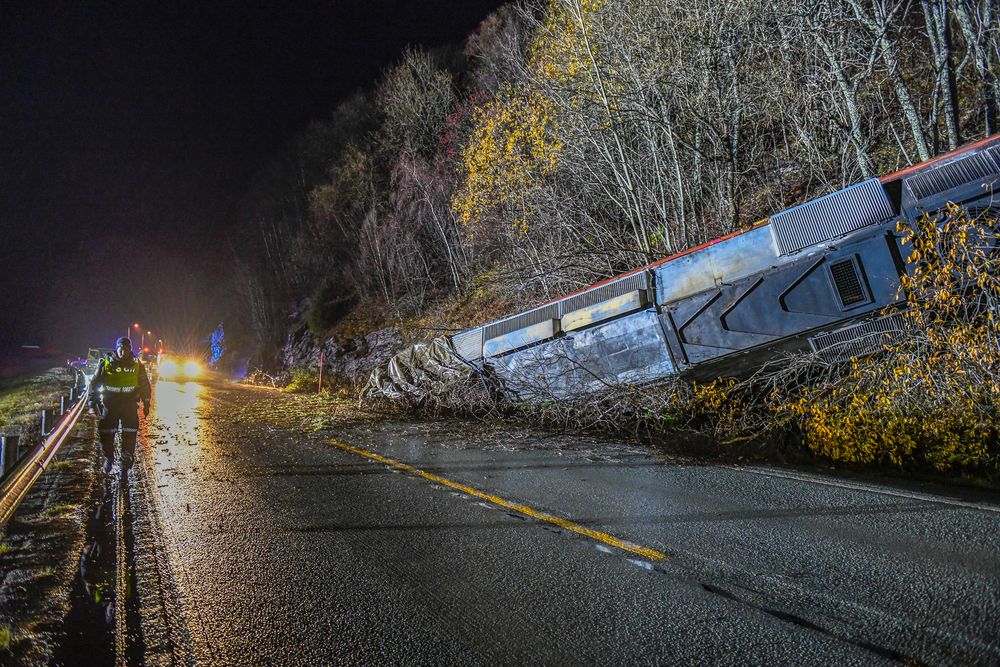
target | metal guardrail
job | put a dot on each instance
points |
(16, 486)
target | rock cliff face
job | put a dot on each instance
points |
(351, 362)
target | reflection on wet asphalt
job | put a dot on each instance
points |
(287, 549)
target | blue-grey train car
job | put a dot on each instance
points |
(813, 276)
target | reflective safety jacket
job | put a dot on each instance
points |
(125, 376)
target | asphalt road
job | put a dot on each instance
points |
(292, 539)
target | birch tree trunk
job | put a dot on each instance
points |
(978, 22)
(937, 22)
(877, 19)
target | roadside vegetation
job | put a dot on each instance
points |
(925, 401)
(22, 399)
(40, 548)
(303, 380)
(569, 140)
(932, 397)
(928, 399)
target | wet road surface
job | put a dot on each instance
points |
(290, 538)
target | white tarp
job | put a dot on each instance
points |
(420, 371)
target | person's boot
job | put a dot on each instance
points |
(126, 466)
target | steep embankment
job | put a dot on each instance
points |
(347, 360)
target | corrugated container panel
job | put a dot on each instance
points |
(953, 174)
(520, 321)
(831, 216)
(636, 281)
(605, 310)
(469, 344)
(515, 340)
(858, 340)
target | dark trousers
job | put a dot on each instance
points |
(126, 411)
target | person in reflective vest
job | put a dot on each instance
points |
(119, 385)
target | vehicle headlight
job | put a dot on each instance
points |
(192, 368)
(168, 368)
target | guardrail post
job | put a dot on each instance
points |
(25, 471)
(72, 390)
(46, 422)
(8, 453)
(62, 405)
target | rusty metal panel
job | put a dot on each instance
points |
(709, 267)
(469, 344)
(605, 310)
(967, 169)
(524, 337)
(831, 216)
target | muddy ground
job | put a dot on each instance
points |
(40, 548)
(40, 551)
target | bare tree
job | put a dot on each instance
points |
(937, 19)
(414, 97)
(980, 24)
(878, 18)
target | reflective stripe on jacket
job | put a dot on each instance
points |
(121, 375)
(125, 377)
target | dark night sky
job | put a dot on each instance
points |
(128, 131)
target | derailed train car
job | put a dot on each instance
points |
(814, 276)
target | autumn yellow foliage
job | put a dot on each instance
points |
(562, 51)
(933, 397)
(512, 148)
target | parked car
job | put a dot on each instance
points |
(87, 366)
(179, 369)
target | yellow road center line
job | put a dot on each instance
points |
(605, 538)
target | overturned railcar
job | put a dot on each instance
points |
(813, 276)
